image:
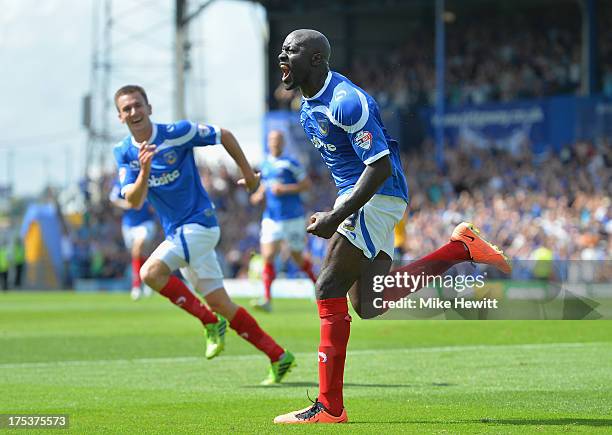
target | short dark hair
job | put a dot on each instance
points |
(130, 89)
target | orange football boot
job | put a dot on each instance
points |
(481, 251)
(313, 414)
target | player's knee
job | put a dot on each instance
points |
(367, 312)
(146, 274)
(152, 276)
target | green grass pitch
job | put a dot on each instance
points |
(116, 366)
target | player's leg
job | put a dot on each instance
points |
(269, 250)
(142, 248)
(239, 319)
(340, 270)
(466, 244)
(361, 293)
(243, 323)
(295, 236)
(156, 272)
(304, 264)
(137, 260)
(362, 236)
(129, 240)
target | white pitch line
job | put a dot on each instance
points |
(380, 352)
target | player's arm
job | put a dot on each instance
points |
(291, 188)
(136, 193)
(121, 203)
(229, 142)
(324, 224)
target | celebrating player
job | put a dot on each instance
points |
(157, 162)
(138, 229)
(283, 179)
(343, 123)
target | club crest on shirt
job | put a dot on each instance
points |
(323, 124)
(170, 157)
(363, 139)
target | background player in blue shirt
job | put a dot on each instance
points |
(138, 230)
(283, 179)
(156, 162)
(343, 122)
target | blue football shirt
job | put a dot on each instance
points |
(343, 122)
(282, 170)
(175, 188)
(131, 217)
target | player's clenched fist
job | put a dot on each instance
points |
(251, 182)
(323, 224)
(145, 155)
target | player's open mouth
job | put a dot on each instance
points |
(286, 72)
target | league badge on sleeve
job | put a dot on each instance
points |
(363, 139)
(203, 130)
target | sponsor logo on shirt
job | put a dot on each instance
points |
(164, 179)
(134, 165)
(363, 139)
(318, 143)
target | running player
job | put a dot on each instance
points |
(156, 162)
(283, 179)
(343, 123)
(138, 229)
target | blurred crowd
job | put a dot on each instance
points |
(528, 204)
(501, 59)
(94, 248)
(558, 205)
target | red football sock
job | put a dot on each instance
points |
(180, 295)
(268, 276)
(335, 331)
(136, 265)
(307, 268)
(433, 264)
(246, 326)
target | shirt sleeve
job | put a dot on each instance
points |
(126, 173)
(206, 134)
(115, 192)
(190, 134)
(352, 112)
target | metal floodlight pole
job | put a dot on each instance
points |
(440, 88)
(181, 23)
(180, 37)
